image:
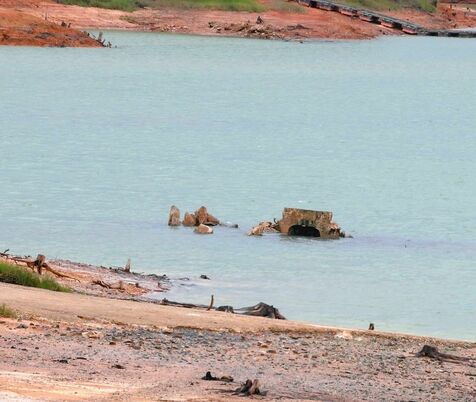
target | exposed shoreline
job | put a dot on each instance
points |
(68, 346)
(45, 18)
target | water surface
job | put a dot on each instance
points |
(98, 143)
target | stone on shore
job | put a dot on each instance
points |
(174, 216)
(203, 229)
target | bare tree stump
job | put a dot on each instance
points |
(210, 306)
(127, 268)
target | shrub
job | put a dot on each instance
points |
(7, 312)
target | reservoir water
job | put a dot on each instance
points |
(96, 144)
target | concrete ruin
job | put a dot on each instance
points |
(305, 222)
(302, 222)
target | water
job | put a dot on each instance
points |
(98, 143)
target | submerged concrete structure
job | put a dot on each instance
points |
(305, 222)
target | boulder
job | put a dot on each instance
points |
(202, 215)
(189, 220)
(174, 216)
(203, 229)
(263, 227)
(211, 220)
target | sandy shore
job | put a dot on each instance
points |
(70, 346)
(38, 22)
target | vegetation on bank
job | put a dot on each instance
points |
(131, 5)
(247, 5)
(7, 312)
(22, 276)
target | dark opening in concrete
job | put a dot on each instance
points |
(298, 230)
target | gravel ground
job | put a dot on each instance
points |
(50, 360)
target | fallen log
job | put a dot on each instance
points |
(114, 286)
(40, 263)
(433, 353)
(165, 302)
(261, 310)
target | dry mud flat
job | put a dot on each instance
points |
(158, 353)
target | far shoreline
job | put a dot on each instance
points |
(65, 23)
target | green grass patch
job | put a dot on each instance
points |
(392, 5)
(224, 5)
(131, 5)
(22, 276)
(124, 5)
(7, 312)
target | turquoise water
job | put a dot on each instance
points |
(96, 144)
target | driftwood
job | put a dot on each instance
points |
(127, 268)
(433, 353)
(259, 310)
(165, 302)
(249, 388)
(209, 377)
(262, 310)
(38, 265)
(115, 286)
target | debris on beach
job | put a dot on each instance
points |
(250, 388)
(301, 222)
(259, 30)
(433, 353)
(209, 377)
(259, 310)
(38, 265)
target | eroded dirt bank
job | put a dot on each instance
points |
(21, 28)
(89, 348)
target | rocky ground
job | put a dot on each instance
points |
(69, 346)
(91, 360)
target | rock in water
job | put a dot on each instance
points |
(189, 220)
(211, 220)
(202, 215)
(203, 229)
(174, 216)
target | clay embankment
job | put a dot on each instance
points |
(90, 348)
(21, 28)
